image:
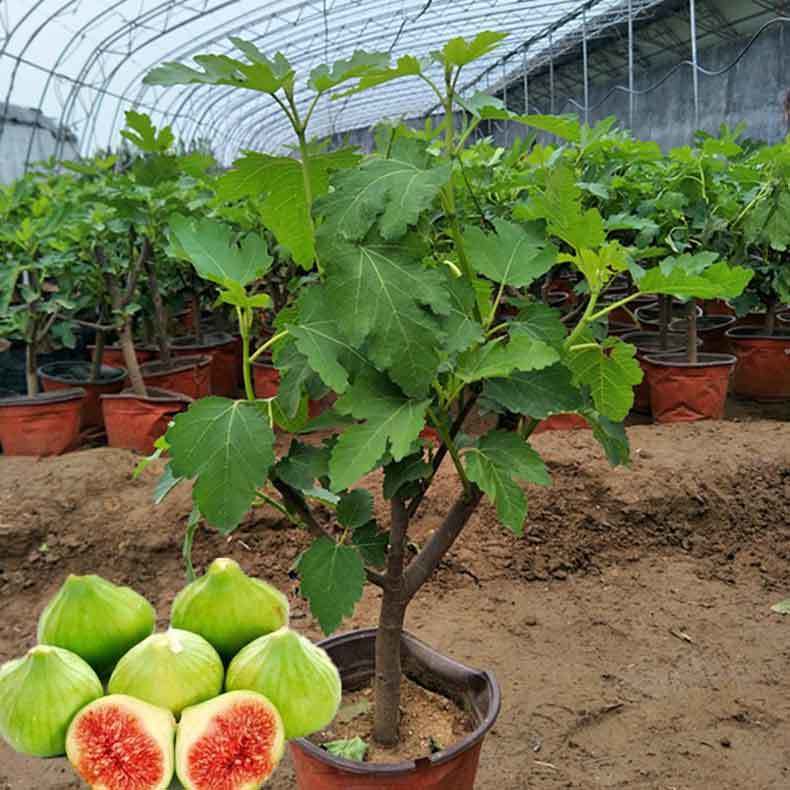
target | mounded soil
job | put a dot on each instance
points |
(630, 627)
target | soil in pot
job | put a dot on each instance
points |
(650, 343)
(188, 375)
(135, 423)
(452, 767)
(67, 375)
(763, 369)
(711, 330)
(682, 391)
(46, 424)
(222, 349)
(113, 355)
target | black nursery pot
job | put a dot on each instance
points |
(453, 768)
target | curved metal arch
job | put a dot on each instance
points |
(211, 101)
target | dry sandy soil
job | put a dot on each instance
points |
(630, 627)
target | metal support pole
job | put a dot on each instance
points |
(526, 83)
(631, 96)
(551, 72)
(584, 69)
(694, 61)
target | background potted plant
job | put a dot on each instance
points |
(400, 322)
(35, 309)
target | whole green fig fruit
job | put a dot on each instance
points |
(229, 608)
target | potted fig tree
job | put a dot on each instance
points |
(400, 322)
(35, 310)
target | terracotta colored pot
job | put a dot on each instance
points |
(46, 424)
(681, 391)
(185, 318)
(559, 299)
(620, 328)
(763, 369)
(266, 379)
(453, 768)
(711, 330)
(113, 356)
(784, 318)
(562, 422)
(135, 423)
(716, 307)
(431, 435)
(221, 348)
(67, 375)
(4, 344)
(650, 343)
(755, 321)
(648, 315)
(188, 375)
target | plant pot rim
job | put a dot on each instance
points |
(155, 395)
(110, 374)
(676, 339)
(409, 766)
(177, 365)
(679, 360)
(210, 340)
(757, 333)
(656, 306)
(269, 365)
(713, 322)
(44, 398)
(117, 347)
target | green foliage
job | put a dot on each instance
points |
(142, 133)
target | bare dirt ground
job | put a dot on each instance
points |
(630, 628)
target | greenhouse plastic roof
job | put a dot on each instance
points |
(81, 62)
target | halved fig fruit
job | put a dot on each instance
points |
(121, 743)
(232, 742)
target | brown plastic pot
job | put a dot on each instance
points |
(185, 318)
(266, 379)
(717, 307)
(784, 318)
(562, 422)
(711, 330)
(649, 315)
(682, 391)
(221, 348)
(188, 375)
(113, 355)
(45, 424)
(135, 423)
(67, 375)
(620, 328)
(650, 343)
(454, 768)
(763, 369)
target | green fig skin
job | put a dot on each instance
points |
(97, 620)
(229, 608)
(40, 694)
(296, 675)
(173, 670)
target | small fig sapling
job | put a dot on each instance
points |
(229, 608)
(233, 742)
(296, 675)
(118, 742)
(40, 695)
(96, 619)
(173, 670)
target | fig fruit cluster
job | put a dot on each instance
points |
(170, 705)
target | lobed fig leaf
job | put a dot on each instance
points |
(39, 696)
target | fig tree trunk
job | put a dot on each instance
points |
(31, 368)
(770, 317)
(98, 356)
(196, 327)
(130, 360)
(691, 332)
(664, 314)
(160, 313)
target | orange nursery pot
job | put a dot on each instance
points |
(190, 376)
(562, 422)
(681, 391)
(67, 375)
(221, 348)
(712, 330)
(45, 424)
(452, 768)
(763, 369)
(266, 379)
(113, 355)
(135, 423)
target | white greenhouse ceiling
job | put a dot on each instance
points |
(81, 62)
